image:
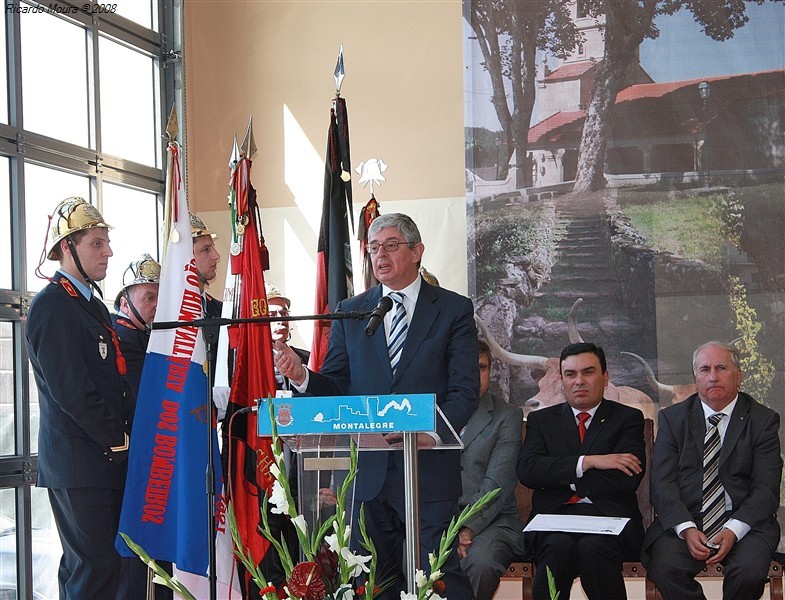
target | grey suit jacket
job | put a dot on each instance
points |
(750, 467)
(492, 439)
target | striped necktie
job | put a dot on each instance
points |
(713, 491)
(397, 330)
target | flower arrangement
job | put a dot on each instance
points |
(330, 570)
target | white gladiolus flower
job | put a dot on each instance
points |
(420, 579)
(355, 561)
(436, 575)
(275, 471)
(405, 596)
(332, 541)
(299, 522)
(278, 500)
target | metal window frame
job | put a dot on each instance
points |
(22, 147)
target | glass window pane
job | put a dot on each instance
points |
(35, 410)
(5, 225)
(4, 75)
(8, 543)
(54, 94)
(44, 189)
(135, 216)
(139, 11)
(46, 546)
(128, 110)
(7, 416)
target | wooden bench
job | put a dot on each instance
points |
(524, 571)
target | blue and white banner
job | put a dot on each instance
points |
(349, 414)
(165, 505)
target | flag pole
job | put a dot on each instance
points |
(210, 333)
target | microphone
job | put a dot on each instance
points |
(377, 316)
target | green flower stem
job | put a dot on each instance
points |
(168, 580)
(448, 537)
(552, 584)
(243, 554)
(367, 543)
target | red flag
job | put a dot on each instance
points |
(254, 376)
(368, 213)
(334, 257)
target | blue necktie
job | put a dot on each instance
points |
(397, 330)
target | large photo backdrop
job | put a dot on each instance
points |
(624, 174)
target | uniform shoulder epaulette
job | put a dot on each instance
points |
(67, 286)
(125, 323)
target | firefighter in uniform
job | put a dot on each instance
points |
(85, 405)
(207, 258)
(135, 305)
(278, 306)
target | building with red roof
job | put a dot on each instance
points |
(657, 129)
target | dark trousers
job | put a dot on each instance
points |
(672, 569)
(87, 521)
(595, 559)
(133, 580)
(385, 520)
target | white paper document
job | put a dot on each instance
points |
(577, 524)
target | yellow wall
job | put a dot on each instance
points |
(275, 61)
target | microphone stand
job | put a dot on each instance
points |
(210, 327)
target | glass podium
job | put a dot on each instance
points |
(322, 431)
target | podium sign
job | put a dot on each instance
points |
(319, 429)
(340, 415)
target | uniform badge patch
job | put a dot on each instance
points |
(103, 349)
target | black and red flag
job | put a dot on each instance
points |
(253, 373)
(334, 258)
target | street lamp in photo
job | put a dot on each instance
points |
(704, 89)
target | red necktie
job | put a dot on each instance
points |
(582, 418)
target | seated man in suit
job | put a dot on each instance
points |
(715, 484)
(489, 541)
(585, 457)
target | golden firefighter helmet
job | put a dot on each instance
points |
(198, 228)
(144, 269)
(429, 277)
(71, 215)
(273, 292)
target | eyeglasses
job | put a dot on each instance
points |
(389, 246)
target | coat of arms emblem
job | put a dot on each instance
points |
(283, 415)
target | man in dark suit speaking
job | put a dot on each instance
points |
(715, 484)
(428, 344)
(585, 457)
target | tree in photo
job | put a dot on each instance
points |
(510, 33)
(627, 24)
